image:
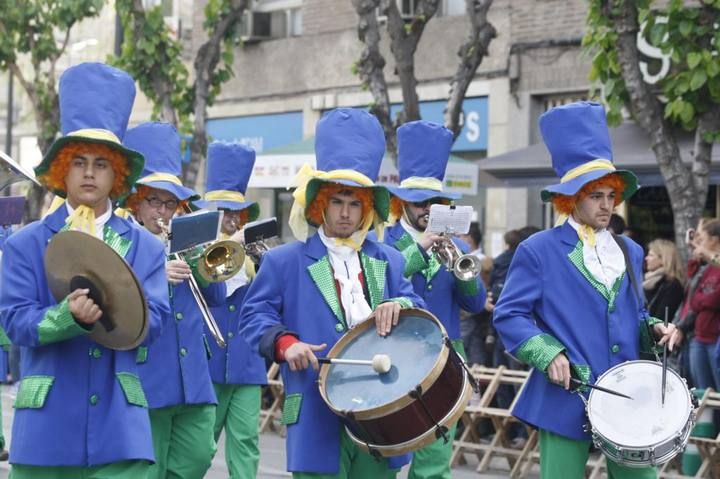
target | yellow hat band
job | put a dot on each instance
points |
(160, 177)
(421, 182)
(594, 165)
(96, 134)
(225, 195)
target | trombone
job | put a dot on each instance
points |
(219, 261)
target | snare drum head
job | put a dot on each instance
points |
(413, 345)
(643, 421)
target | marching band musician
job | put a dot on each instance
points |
(569, 307)
(80, 410)
(308, 293)
(237, 372)
(174, 370)
(423, 153)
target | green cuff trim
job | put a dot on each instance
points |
(130, 385)
(648, 345)
(33, 392)
(4, 340)
(58, 324)
(459, 347)
(469, 287)
(404, 302)
(291, 409)
(539, 351)
(142, 354)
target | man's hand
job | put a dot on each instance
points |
(489, 302)
(177, 271)
(427, 240)
(670, 335)
(83, 309)
(386, 316)
(559, 370)
(301, 355)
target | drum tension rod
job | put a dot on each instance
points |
(440, 431)
(473, 382)
(366, 435)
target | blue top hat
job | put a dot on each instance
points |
(351, 143)
(229, 167)
(577, 137)
(95, 104)
(423, 153)
(160, 144)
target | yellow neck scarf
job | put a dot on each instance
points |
(82, 219)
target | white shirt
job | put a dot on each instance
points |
(605, 261)
(346, 267)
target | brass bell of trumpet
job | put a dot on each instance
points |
(221, 261)
(464, 266)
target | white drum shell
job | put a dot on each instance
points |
(640, 432)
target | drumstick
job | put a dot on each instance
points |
(380, 362)
(599, 388)
(664, 362)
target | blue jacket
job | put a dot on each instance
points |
(236, 363)
(294, 291)
(443, 294)
(79, 404)
(174, 369)
(548, 306)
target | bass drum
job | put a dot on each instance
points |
(642, 431)
(418, 400)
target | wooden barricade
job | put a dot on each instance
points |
(708, 447)
(271, 409)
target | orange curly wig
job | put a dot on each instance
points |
(315, 210)
(396, 207)
(566, 204)
(54, 179)
(244, 217)
(142, 191)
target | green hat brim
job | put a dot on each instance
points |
(135, 161)
(381, 196)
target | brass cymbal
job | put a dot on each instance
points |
(74, 259)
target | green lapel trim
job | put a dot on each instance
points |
(115, 241)
(432, 269)
(374, 270)
(322, 276)
(405, 241)
(111, 238)
(610, 295)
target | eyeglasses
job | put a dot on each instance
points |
(156, 202)
(431, 201)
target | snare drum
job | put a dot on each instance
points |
(418, 400)
(640, 432)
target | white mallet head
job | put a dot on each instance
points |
(381, 363)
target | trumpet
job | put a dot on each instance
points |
(218, 262)
(464, 266)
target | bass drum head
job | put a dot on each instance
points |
(642, 421)
(414, 346)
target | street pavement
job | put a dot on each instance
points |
(272, 453)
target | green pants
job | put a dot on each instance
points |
(183, 441)
(433, 460)
(354, 464)
(238, 411)
(566, 458)
(116, 470)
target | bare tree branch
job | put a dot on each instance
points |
(471, 55)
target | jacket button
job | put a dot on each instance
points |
(611, 308)
(96, 353)
(231, 334)
(94, 399)
(183, 352)
(339, 328)
(429, 287)
(178, 316)
(232, 308)
(615, 348)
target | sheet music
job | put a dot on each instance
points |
(449, 219)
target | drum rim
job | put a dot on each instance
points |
(401, 402)
(690, 410)
(426, 438)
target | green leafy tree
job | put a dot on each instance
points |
(33, 36)
(686, 98)
(154, 57)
